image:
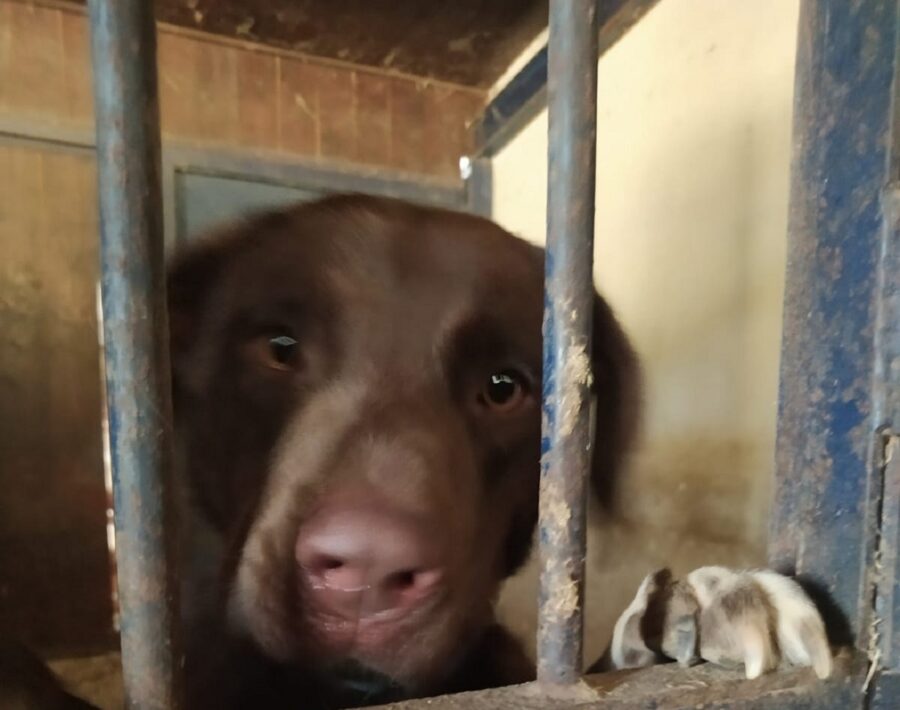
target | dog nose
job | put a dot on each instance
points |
(360, 561)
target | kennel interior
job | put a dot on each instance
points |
(250, 119)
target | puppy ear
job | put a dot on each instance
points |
(617, 393)
(629, 647)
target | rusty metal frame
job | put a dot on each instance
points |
(836, 509)
(839, 377)
(135, 336)
(568, 307)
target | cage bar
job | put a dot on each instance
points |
(568, 305)
(123, 39)
(834, 405)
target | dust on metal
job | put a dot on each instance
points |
(568, 298)
(830, 410)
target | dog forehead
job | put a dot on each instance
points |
(438, 262)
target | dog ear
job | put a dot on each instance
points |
(191, 280)
(617, 394)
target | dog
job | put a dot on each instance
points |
(357, 398)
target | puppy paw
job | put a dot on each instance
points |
(749, 618)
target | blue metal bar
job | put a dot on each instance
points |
(829, 468)
(568, 306)
(887, 393)
(135, 335)
(526, 93)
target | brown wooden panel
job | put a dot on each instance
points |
(198, 89)
(338, 112)
(298, 106)
(448, 114)
(467, 42)
(54, 580)
(31, 59)
(178, 62)
(214, 97)
(373, 97)
(214, 92)
(408, 116)
(76, 51)
(257, 110)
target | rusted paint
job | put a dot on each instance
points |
(135, 337)
(826, 511)
(577, 367)
(569, 294)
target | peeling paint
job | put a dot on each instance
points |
(576, 378)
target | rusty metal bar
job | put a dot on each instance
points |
(123, 37)
(834, 406)
(568, 298)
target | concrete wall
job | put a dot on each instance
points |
(692, 185)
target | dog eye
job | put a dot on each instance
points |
(283, 350)
(278, 351)
(504, 391)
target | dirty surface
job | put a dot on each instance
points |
(569, 294)
(827, 479)
(469, 42)
(670, 686)
(97, 679)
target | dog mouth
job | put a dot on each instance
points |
(360, 626)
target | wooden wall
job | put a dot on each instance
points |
(216, 91)
(54, 586)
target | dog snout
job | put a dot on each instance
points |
(361, 558)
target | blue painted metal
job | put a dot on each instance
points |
(887, 408)
(123, 37)
(513, 106)
(526, 93)
(828, 470)
(886, 692)
(569, 297)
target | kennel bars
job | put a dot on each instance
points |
(135, 336)
(837, 510)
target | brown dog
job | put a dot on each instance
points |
(357, 389)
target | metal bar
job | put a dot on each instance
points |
(827, 508)
(525, 96)
(568, 305)
(123, 37)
